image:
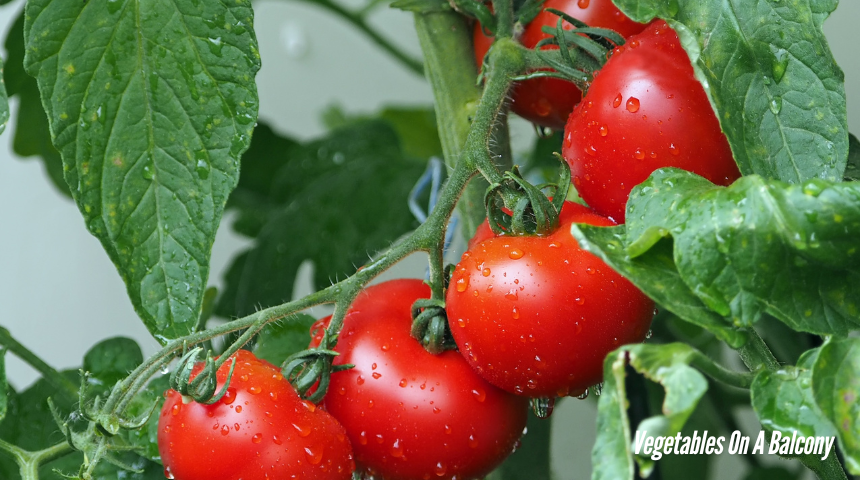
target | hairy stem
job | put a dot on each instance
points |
(55, 378)
(720, 373)
(29, 462)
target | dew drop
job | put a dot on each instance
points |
(639, 154)
(238, 408)
(396, 449)
(447, 430)
(276, 440)
(632, 104)
(603, 130)
(674, 150)
(473, 442)
(583, 4)
(512, 294)
(362, 438)
(314, 455)
(359, 380)
(776, 105)
(480, 394)
(254, 390)
(403, 383)
(486, 272)
(515, 313)
(303, 431)
(440, 469)
(225, 430)
(376, 375)
(516, 254)
(176, 409)
(617, 102)
(462, 284)
(257, 438)
(167, 472)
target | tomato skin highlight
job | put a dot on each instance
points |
(645, 111)
(410, 414)
(549, 101)
(536, 316)
(260, 430)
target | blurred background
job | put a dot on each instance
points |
(60, 294)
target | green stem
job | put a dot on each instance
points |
(55, 378)
(720, 373)
(29, 462)
(359, 22)
(446, 41)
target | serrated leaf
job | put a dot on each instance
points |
(111, 360)
(836, 387)
(150, 105)
(279, 340)
(771, 77)
(656, 275)
(758, 246)
(667, 365)
(333, 201)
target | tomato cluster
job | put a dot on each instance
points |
(532, 315)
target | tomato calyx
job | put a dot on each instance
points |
(430, 326)
(309, 371)
(202, 388)
(516, 207)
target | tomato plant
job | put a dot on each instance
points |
(536, 315)
(549, 101)
(146, 116)
(259, 429)
(410, 414)
(646, 110)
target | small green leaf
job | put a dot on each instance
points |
(656, 275)
(279, 340)
(333, 201)
(836, 386)
(667, 365)
(771, 77)
(151, 105)
(111, 360)
(783, 402)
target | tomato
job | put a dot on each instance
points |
(549, 101)
(410, 414)
(645, 110)
(537, 315)
(259, 430)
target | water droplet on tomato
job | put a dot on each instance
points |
(436, 410)
(580, 301)
(648, 335)
(632, 104)
(362, 438)
(396, 449)
(225, 430)
(512, 294)
(244, 377)
(440, 469)
(238, 408)
(583, 395)
(653, 154)
(373, 366)
(542, 407)
(583, 4)
(229, 396)
(461, 323)
(531, 384)
(176, 409)
(254, 389)
(480, 394)
(485, 272)
(589, 270)
(168, 473)
(314, 454)
(359, 380)
(617, 101)
(639, 154)
(379, 438)
(473, 442)
(236, 426)
(516, 254)
(341, 390)
(515, 313)
(303, 431)
(603, 130)
(385, 347)
(257, 438)
(462, 284)
(403, 383)
(276, 440)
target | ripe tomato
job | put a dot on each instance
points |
(410, 414)
(537, 315)
(549, 101)
(645, 110)
(259, 430)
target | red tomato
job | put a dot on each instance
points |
(410, 414)
(645, 110)
(549, 101)
(537, 315)
(259, 430)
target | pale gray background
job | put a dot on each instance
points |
(59, 293)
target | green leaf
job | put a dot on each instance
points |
(836, 386)
(770, 473)
(771, 77)
(656, 275)
(667, 365)
(4, 387)
(757, 246)
(279, 340)
(145, 439)
(333, 201)
(31, 136)
(111, 360)
(416, 127)
(151, 105)
(783, 402)
(4, 103)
